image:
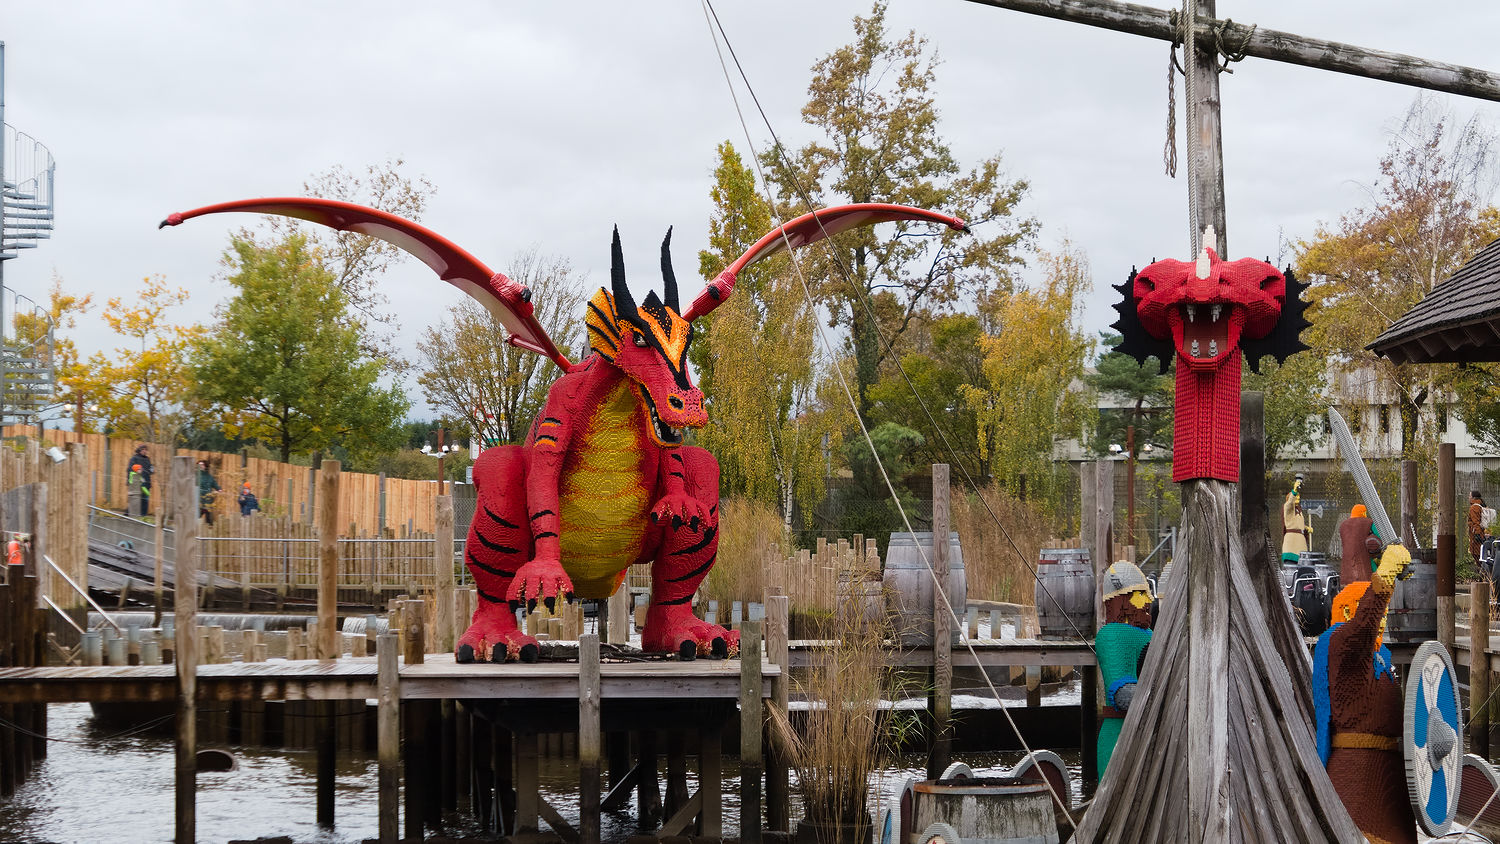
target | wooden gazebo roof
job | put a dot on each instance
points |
(1459, 321)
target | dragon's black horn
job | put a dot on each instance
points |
(624, 305)
(668, 278)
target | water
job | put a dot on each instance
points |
(100, 786)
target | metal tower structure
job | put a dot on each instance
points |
(27, 373)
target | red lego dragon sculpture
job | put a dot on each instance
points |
(603, 479)
(1206, 312)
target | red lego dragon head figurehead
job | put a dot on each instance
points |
(649, 343)
(1206, 312)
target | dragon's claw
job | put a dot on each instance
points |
(674, 629)
(542, 580)
(494, 637)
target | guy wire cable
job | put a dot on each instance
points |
(864, 301)
(938, 590)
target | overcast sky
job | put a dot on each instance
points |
(544, 124)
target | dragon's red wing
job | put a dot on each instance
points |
(508, 301)
(811, 228)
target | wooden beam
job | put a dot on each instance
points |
(1263, 43)
(185, 610)
(1479, 678)
(589, 738)
(752, 715)
(327, 643)
(941, 704)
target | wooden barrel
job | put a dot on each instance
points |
(908, 582)
(991, 810)
(1065, 594)
(1412, 616)
(861, 599)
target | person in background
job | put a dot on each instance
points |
(248, 502)
(1476, 524)
(207, 487)
(141, 462)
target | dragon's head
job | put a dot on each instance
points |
(649, 343)
(1206, 307)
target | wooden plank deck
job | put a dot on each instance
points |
(355, 679)
(987, 652)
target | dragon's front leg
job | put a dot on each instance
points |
(498, 546)
(689, 545)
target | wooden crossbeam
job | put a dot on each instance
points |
(1271, 44)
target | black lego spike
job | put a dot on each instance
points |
(668, 278)
(1134, 340)
(1285, 338)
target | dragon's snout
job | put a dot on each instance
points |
(684, 409)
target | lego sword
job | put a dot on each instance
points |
(1355, 464)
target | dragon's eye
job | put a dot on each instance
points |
(640, 340)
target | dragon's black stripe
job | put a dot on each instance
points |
(677, 457)
(714, 509)
(501, 522)
(695, 572)
(470, 558)
(488, 598)
(544, 534)
(611, 342)
(683, 600)
(675, 474)
(708, 536)
(497, 547)
(607, 321)
(548, 437)
(552, 419)
(535, 516)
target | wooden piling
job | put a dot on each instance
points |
(327, 756)
(778, 652)
(1479, 675)
(941, 752)
(443, 634)
(711, 782)
(1446, 546)
(588, 738)
(414, 630)
(328, 560)
(388, 736)
(752, 716)
(185, 609)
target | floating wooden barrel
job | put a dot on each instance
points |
(1412, 616)
(908, 581)
(990, 810)
(1065, 594)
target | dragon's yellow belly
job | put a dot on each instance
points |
(605, 494)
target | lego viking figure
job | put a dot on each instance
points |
(1358, 703)
(1294, 532)
(1359, 547)
(1121, 646)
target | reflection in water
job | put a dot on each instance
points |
(101, 786)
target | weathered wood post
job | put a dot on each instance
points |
(1409, 503)
(618, 615)
(1446, 546)
(185, 611)
(328, 560)
(442, 560)
(942, 630)
(589, 738)
(162, 507)
(752, 716)
(1479, 665)
(388, 736)
(778, 651)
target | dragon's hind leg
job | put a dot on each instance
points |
(686, 552)
(499, 543)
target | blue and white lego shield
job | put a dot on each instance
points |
(1433, 738)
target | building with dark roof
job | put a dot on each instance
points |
(1458, 322)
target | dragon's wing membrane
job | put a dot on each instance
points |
(508, 301)
(811, 228)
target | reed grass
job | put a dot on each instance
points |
(749, 532)
(846, 737)
(996, 569)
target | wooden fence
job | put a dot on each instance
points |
(285, 491)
